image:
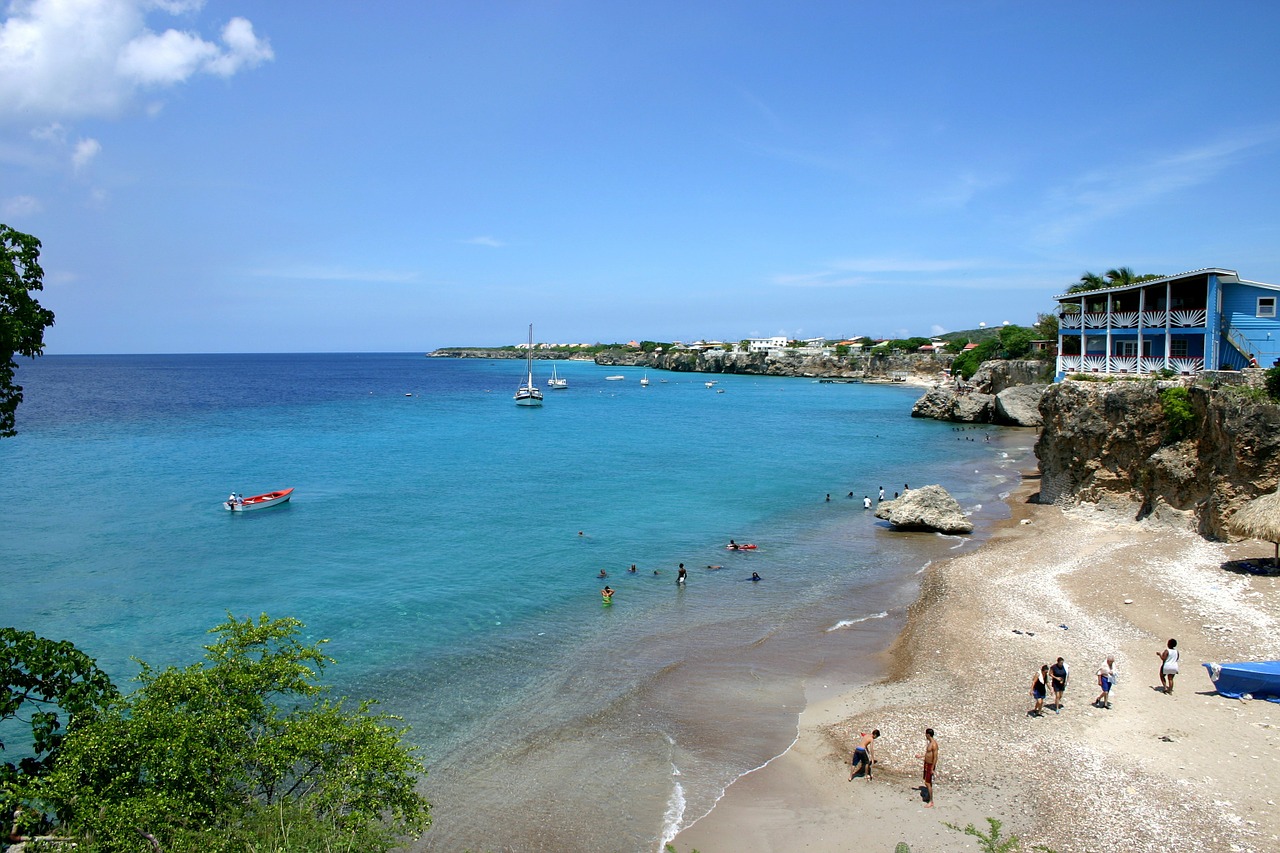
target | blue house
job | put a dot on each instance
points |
(1208, 319)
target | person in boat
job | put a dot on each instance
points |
(231, 499)
(240, 499)
(607, 594)
(755, 576)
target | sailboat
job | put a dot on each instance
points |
(644, 383)
(557, 382)
(528, 393)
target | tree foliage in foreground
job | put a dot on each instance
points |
(22, 320)
(45, 683)
(240, 752)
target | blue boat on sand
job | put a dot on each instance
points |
(1258, 679)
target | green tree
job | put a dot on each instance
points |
(966, 364)
(46, 681)
(1272, 382)
(1087, 281)
(842, 350)
(1046, 327)
(22, 320)
(1015, 341)
(205, 757)
(1178, 414)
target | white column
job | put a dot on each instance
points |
(1108, 361)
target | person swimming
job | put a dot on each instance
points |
(755, 576)
(607, 595)
(603, 574)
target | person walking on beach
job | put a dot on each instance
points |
(930, 758)
(1168, 666)
(1038, 685)
(864, 754)
(1106, 680)
(1058, 678)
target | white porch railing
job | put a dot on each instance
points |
(1124, 364)
(1095, 320)
(1187, 365)
(1069, 321)
(1152, 319)
(1151, 364)
(1194, 318)
(1094, 363)
(1124, 319)
(1069, 362)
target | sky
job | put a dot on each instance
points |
(230, 176)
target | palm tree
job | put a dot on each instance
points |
(1088, 281)
(1120, 276)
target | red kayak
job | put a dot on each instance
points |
(258, 501)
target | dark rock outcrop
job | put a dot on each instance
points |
(925, 508)
(1108, 444)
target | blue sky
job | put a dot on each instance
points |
(337, 176)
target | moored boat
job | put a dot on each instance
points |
(528, 393)
(1259, 679)
(259, 501)
(614, 378)
(557, 382)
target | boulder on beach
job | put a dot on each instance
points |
(926, 508)
(946, 404)
(1020, 405)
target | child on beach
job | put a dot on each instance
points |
(1168, 666)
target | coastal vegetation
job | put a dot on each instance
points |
(1178, 415)
(241, 751)
(22, 319)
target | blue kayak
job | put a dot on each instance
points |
(1259, 679)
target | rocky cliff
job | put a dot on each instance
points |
(1109, 443)
(1000, 392)
(915, 367)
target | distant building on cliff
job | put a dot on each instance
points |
(1209, 319)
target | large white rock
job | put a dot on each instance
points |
(926, 508)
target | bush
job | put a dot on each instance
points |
(1273, 383)
(1178, 416)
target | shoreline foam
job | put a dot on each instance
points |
(1189, 771)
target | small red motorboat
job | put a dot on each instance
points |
(258, 501)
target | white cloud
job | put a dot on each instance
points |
(491, 242)
(64, 59)
(85, 151)
(935, 329)
(1111, 192)
(21, 205)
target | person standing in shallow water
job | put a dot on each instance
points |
(1168, 665)
(681, 575)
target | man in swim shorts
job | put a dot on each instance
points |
(1058, 680)
(930, 758)
(863, 754)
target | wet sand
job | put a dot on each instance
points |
(1190, 771)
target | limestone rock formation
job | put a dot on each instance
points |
(1019, 405)
(926, 508)
(1107, 443)
(945, 404)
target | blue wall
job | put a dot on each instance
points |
(1240, 312)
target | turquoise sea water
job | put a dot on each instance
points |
(448, 543)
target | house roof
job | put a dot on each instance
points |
(1225, 274)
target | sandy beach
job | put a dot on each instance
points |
(1189, 771)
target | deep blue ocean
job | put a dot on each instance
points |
(448, 544)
